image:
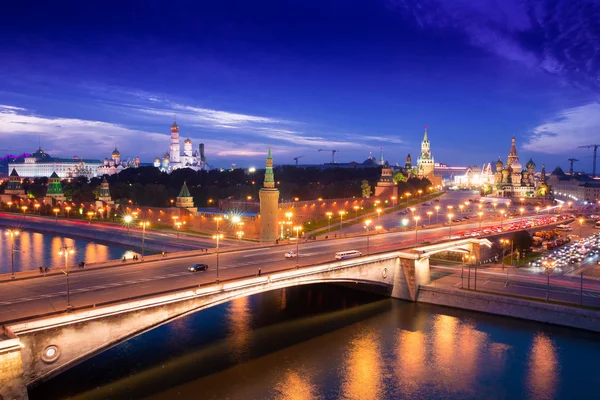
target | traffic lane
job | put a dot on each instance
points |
(519, 288)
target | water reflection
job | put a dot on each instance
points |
(363, 371)
(34, 249)
(411, 354)
(240, 329)
(295, 385)
(543, 368)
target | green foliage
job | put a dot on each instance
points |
(522, 241)
(399, 177)
(365, 188)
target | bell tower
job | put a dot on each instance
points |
(269, 204)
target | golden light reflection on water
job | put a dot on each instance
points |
(543, 368)
(295, 385)
(362, 376)
(240, 328)
(411, 355)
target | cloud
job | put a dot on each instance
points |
(559, 37)
(570, 128)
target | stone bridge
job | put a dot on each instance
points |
(32, 351)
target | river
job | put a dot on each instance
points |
(34, 249)
(330, 342)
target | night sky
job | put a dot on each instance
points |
(354, 76)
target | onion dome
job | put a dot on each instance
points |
(116, 153)
(156, 159)
(499, 164)
(530, 164)
(137, 160)
(187, 141)
(516, 166)
(106, 161)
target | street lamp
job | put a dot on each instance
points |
(144, 224)
(68, 209)
(416, 218)
(177, 227)
(56, 211)
(356, 211)
(437, 214)
(342, 219)
(537, 210)
(101, 212)
(90, 214)
(37, 207)
(297, 228)
(218, 237)
(24, 208)
(127, 219)
(521, 210)
(450, 215)
(367, 224)
(394, 201)
(65, 251)
(407, 194)
(548, 267)
(429, 214)
(329, 214)
(420, 192)
(378, 213)
(580, 225)
(12, 234)
(461, 208)
(501, 219)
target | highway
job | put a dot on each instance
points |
(28, 297)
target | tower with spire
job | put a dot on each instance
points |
(104, 192)
(14, 184)
(269, 203)
(55, 188)
(425, 162)
(184, 198)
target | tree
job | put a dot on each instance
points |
(522, 241)
(399, 177)
(365, 188)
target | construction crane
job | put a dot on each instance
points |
(571, 161)
(297, 158)
(595, 146)
(332, 154)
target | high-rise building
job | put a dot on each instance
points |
(269, 204)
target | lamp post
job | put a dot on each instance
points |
(537, 210)
(342, 219)
(416, 218)
(437, 214)
(521, 210)
(548, 268)
(24, 208)
(356, 211)
(450, 215)
(56, 211)
(420, 192)
(127, 219)
(12, 234)
(580, 225)
(394, 201)
(407, 194)
(37, 208)
(144, 224)
(65, 251)
(177, 227)
(378, 213)
(461, 207)
(367, 223)
(480, 213)
(297, 228)
(90, 214)
(68, 209)
(501, 219)
(429, 214)
(101, 212)
(329, 214)
(218, 237)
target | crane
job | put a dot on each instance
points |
(595, 146)
(332, 154)
(297, 158)
(571, 161)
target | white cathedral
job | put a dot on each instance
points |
(174, 159)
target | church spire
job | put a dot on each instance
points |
(381, 156)
(269, 178)
(425, 139)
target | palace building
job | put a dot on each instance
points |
(174, 159)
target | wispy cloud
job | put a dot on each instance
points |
(570, 128)
(559, 37)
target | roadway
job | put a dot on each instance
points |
(22, 298)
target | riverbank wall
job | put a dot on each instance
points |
(539, 311)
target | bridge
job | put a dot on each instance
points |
(34, 349)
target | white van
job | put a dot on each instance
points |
(342, 255)
(564, 228)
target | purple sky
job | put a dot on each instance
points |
(354, 76)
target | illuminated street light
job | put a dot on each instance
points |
(65, 251)
(356, 208)
(437, 214)
(37, 207)
(144, 224)
(580, 225)
(367, 224)
(537, 210)
(394, 201)
(416, 218)
(501, 219)
(218, 237)
(450, 215)
(12, 234)
(68, 209)
(56, 211)
(429, 214)
(127, 219)
(480, 213)
(521, 210)
(407, 194)
(378, 213)
(329, 215)
(342, 218)
(177, 227)
(24, 208)
(297, 228)
(90, 214)
(461, 208)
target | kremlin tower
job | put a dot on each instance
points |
(269, 204)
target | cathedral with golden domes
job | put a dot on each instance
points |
(174, 159)
(511, 179)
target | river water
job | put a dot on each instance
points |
(330, 342)
(34, 249)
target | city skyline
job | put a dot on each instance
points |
(355, 78)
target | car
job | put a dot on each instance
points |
(198, 267)
(291, 254)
